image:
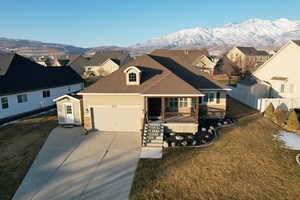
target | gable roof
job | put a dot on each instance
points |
(5, 60)
(293, 42)
(182, 65)
(101, 56)
(251, 51)
(79, 63)
(249, 80)
(25, 75)
(155, 79)
(71, 96)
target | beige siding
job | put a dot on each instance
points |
(109, 67)
(284, 64)
(77, 110)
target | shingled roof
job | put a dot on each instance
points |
(102, 56)
(156, 79)
(296, 42)
(160, 75)
(251, 51)
(182, 64)
(24, 75)
(79, 63)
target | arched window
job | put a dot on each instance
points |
(132, 77)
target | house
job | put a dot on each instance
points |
(103, 63)
(107, 67)
(26, 86)
(69, 109)
(162, 86)
(247, 58)
(78, 63)
(206, 64)
(276, 81)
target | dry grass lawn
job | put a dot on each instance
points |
(19, 145)
(244, 163)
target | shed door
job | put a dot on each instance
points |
(69, 113)
(117, 118)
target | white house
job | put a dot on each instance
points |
(276, 81)
(26, 86)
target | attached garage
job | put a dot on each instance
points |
(126, 118)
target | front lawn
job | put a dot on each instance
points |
(19, 144)
(244, 163)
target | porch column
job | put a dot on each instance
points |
(197, 110)
(146, 104)
(163, 108)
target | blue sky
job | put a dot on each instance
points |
(90, 23)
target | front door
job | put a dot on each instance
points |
(154, 107)
(69, 113)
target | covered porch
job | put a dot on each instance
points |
(172, 109)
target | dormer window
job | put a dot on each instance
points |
(133, 75)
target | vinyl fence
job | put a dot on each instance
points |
(261, 104)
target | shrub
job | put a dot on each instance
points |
(293, 122)
(281, 116)
(269, 112)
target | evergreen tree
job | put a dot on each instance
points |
(293, 122)
(269, 112)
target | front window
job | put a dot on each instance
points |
(69, 109)
(46, 93)
(211, 97)
(173, 102)
(22, 98)
(183, 102)
(4, 102)
(282, 88)
(205, 99)
(132, 77)
(291, 88)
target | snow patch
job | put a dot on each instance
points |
(290, 140)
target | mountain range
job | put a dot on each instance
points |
(254, 32)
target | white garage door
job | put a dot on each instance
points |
(117, 118)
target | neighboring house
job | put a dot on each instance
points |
(206, 64)
(247, 58)
(69, 109)
(276, 81)
(26, 86)
(162, 86)
(78, 63)
(105, 62)
(107, 67)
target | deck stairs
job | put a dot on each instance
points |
(152, 140)
(153, 135)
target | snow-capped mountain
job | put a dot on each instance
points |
(254, 32)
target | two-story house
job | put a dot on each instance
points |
(276, 81)
(247, 58)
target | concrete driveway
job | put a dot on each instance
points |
(74, 166)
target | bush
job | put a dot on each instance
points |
(281, 116)
(269, 112)
(293, 122)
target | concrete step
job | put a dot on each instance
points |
(154, 145)
(156, 141)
